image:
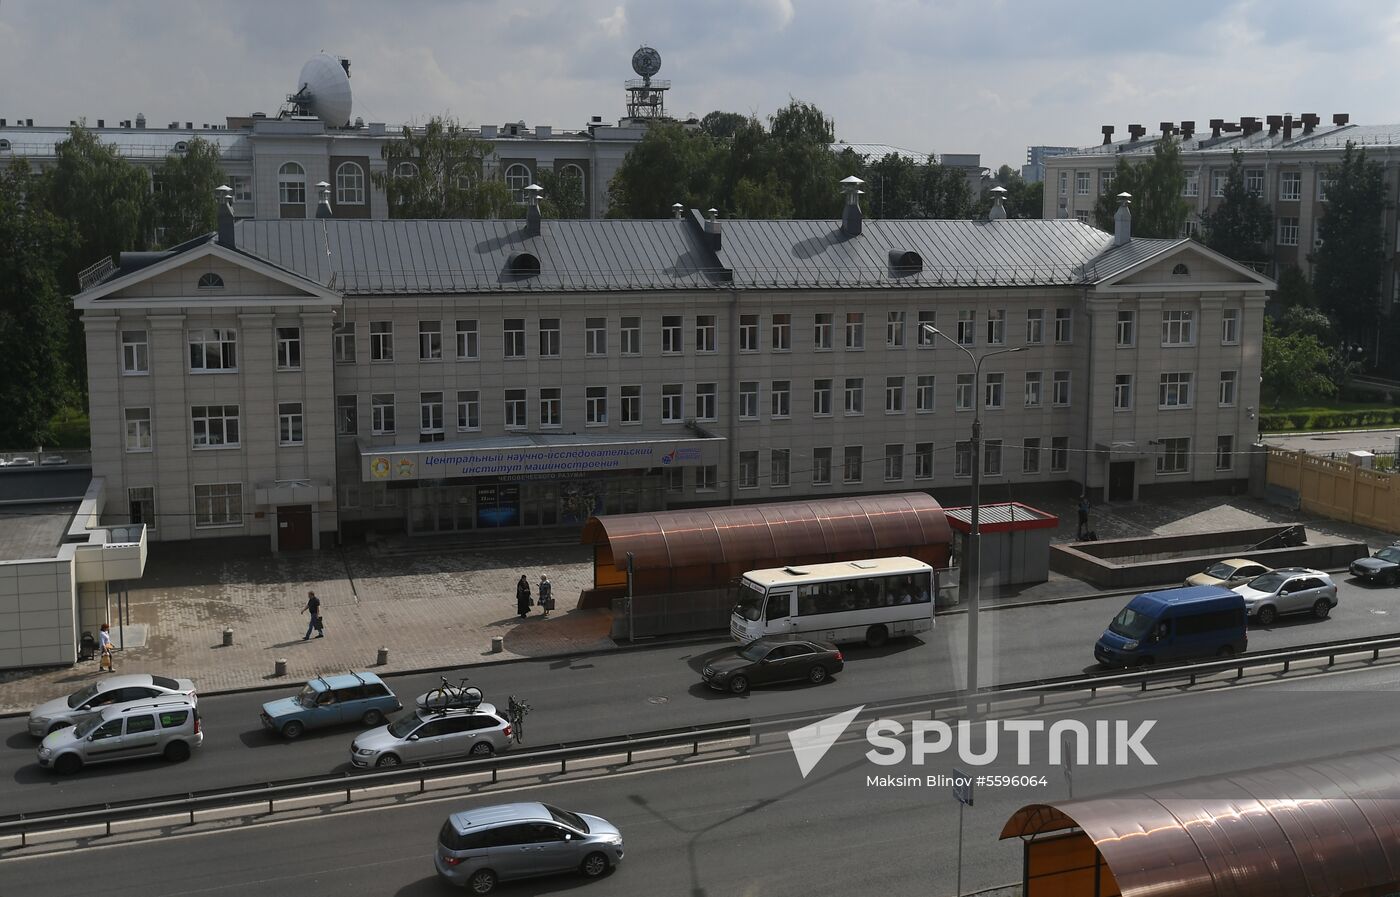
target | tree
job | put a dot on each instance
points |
(669, 165)
(1023, 199)
(1294, 367)
(722, 125)
(1294, 290)
(34, 312)
(803, 136)
(1242, 223)
(1156, 185)
(563, 194)
(1349, 266)
(185, 205)
(440, 172)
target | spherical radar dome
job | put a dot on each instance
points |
(328, 84)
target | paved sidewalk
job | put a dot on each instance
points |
(437, 606)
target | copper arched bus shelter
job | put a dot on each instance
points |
(696, 551)
(1331, 827)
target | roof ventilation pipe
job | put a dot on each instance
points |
(534, 194)
(223, 197)
(1123, 221)
(323, 206)
(676, 210)
(998, 211)
(851, 216)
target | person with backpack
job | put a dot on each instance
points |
(546, 596)
(522, 597)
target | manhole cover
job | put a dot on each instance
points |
(659, 699)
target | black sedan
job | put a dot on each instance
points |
(766, 661)
(1382, 567)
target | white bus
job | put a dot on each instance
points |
(871, 601)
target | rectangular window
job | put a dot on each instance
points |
(219, 504)
(963, 393)
(347, 415)
(468, 341)
(1323, 183)
(821, 332)
(1081, 215)
(289, 423)
(1035, 326)
(1064, 186)
(1081, 183)
(821, 398)
(748, 333)
(894, 395)
(671, 338)
(429, 340)
(782, 398)
(782, 333)
(138, 429)
(136, 357)
(672, 403)
(1288, 232)
(513, 338)
(675, 480)
(821, 466)
(1254, 181)
(1123, 392)
(516, 410)
(780, 467)
(996, 327)
(214, 349)
(1178, 328)
(855, 395)
(549, 337)
(430, 415)
(1030, 455)
(705, 401)
(551, 407)
(1064, 325)
(141, 506)
(705, 333)
(1060, 389)
(1034, 388)
(994, 391)
(748, 470)
(1224, 452)
(855, 330)
(1230, 327)
(1290, 186)
(1217, 182)
(1106, 181)
(894, 330)
(1174, 390)
(1059, 454)
(894, 462)
(632, 336)
(381, 340)
(967, 327)
(1127, 325)
(345, 343)
(853, 468)
(214, 425)
(748, 400)
(595, 337)
(631, 404)
(242, 188)
(923, 461)
(924, 394)
(1175, 456)
(707, 478)
(1227, 388)
(962, 460)
(468, 410)
(381, 414)
(1192, 185)
(991, 458)
(928, 322)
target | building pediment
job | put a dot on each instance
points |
(1183, 266)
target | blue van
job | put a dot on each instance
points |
(1175, 624)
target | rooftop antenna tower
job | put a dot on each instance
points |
(646, 98)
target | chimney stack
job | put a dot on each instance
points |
(1248, 125)
(713, 234)
(1310, 120)
(223, 196)
(1107, 134)
(323, 205)
(1275, 124)
(851, 216)
(1134, 132)
(140, 120)
(676, 210)
(1215, 125)
(1188, 128)
(535, 193)
(1167, 128)
(1340, 119)
(997, 211)
(1123, 221)
(1288, 127)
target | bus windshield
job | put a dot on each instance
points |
(750, 604)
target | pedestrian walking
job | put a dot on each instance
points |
(522, 597)
(105, 660)
(1083, 517)
(313, 607)
(546, 596)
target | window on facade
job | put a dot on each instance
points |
(1290, 186)
(748, 333)
(1123, 392)
(924, 339)
(894, 395)
(821, 331)
(894, 330)
(214, 425)
(1081, 183)
(1191, 186)
(468, 341)
(748, 470)
(1178, 328)
(1064, 186)
(631, 333)
(924, 394)
(549, 337)
(705, 401)
(923, 460)
(674, 480)
(748, 400)
(967, 327)
(782, 398)
(1288, 232)
(430, 340)
(1060, 388)
(1175, 455)
(349, 185)
(595, 336)
(853, 466)
(551, 407)
(430, 414)
(138, 429)
(1324, 183)
(821, 398)
(381, 341)
(210, 281)
(705, 333)
(468, 410)
(894, 462)
(1030, 455)
(1059, 454)
(1127, 325)
(344, 342)
(631, 404)
(516, 413)
(1254, 181)
(707, 478)
(381, 414)
(242, 188)
(672, 403)
(1034, 389)
(514, 338)
(994, 391)
(347, 415)
(517, 179)
(821, 466)
(1106, 181)
(214, 349)
(291, 184)
(996, 327)
(136, 352)
(289, 423)
(782, 333)
(1174, 390)
(962, 459)
(671, 339)
(963, 393)
(1217, 182)
(855, 330)
(1230, 326)
(780, 467)
(1224, 452)
(1064, 325)
(1081, 215)
(855, 395)
(991, 458)
(1227, 387)
(1035, 325)
(218, 504)
(141, 506)
(595, 400)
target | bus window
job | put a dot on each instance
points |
(778, 606)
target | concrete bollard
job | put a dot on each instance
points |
(383, 656)
(498, 644)
(280, 668)
(228, 638)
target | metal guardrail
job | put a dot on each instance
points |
(191, 803)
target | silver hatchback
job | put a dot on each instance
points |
(420, 735)
(478, 848)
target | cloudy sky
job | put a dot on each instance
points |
(949, 76)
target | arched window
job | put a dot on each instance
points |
(517, 179)
(211, 281)
(1181, 271)
(291, 184)
(349, 184)
(463, 178)
(405, 170)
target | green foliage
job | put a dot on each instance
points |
(1023, 199)
(1156, 185)
(1309, 321)
(440, 173)
(1242, 223)
(1349, 266)
(722, 125)
(70, 429)
(1329, 419)
(1294, 367)
(669, 165)
(184, 196)
(563, 194)
(1294, 290)
(34, 313)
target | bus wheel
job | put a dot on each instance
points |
(876, 636)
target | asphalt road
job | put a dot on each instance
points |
(751, 826)
(625, 692)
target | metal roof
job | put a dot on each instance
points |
(1003, 517)
(877, 151)
(1323, 137)
(132, 143)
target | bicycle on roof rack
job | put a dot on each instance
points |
(515, 715)
(451, 697)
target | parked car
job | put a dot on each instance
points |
(332, 701)
(418, 735)
(165, 727)
(478, 848)
(21, 461)
(767, 661)
(1289, 590)
(1231, 573)
(61, 712)
(1382, 567)
(52, 461)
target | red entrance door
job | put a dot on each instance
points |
(294, 528)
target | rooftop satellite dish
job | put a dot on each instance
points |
(646, 62)
(323, 90)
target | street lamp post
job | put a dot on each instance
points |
(974, 560)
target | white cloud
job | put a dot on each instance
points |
(614, 24)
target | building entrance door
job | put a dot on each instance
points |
(294, 528)
(1121, 480)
